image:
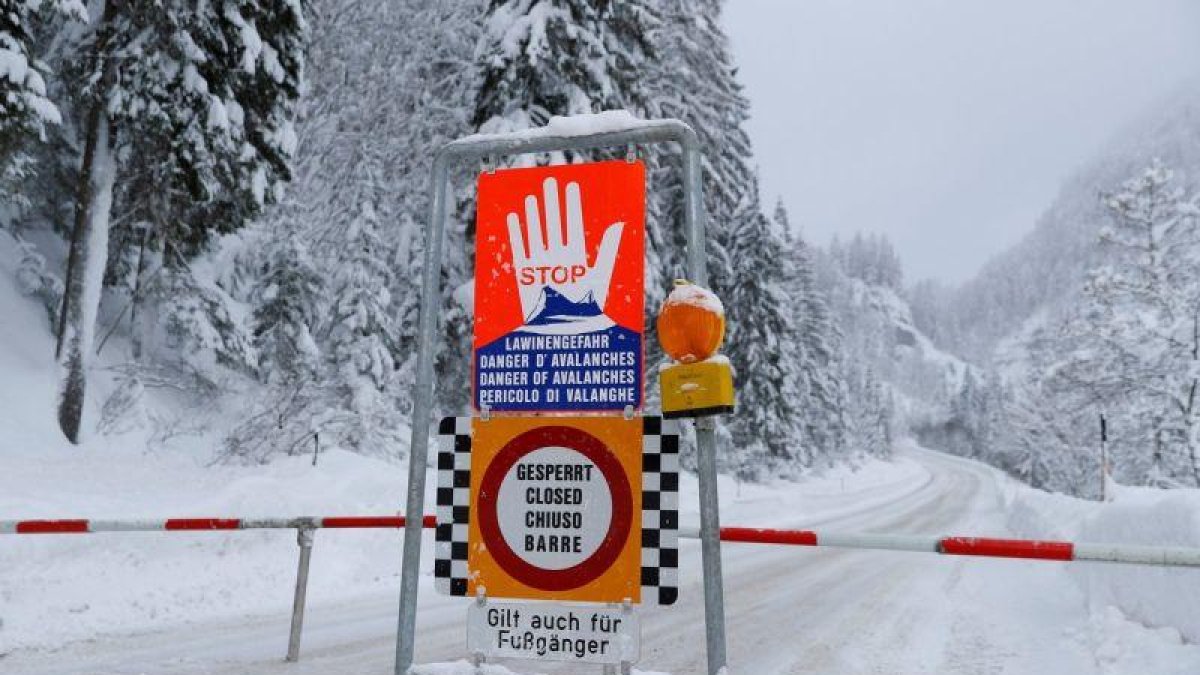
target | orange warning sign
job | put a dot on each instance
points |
(557, 508)
(559, 297)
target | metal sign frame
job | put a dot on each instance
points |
(547, 139)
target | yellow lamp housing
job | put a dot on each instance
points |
(696, 389)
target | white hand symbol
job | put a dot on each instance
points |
(559, 260)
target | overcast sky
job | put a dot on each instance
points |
(947, 124)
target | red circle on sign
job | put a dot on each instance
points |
(618, 529)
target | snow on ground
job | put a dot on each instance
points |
(59, 588)
(1155, 596)
(907, 612)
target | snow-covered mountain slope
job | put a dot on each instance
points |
(1044, 271)
(879, 328)
(911, 344)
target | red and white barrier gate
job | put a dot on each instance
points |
(80, 526)
(1029, 549)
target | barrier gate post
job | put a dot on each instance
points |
(304, 539)
(550, 139)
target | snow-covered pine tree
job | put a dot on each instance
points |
(871, 259)
(692, 78)
(870, 360)
(822, 406)
(198, 97)
(436, 107)
(443, 77)
(360, 329)
(1043, 436)
(868, 412)
(25, 109)
(287, 299)
(1135, 342)
(391, 81)
(995, 396)
(560, 57)
(762, 342)
(34, 279)
(285, 315)
(1029, 438)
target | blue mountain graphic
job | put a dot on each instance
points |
(554, 307)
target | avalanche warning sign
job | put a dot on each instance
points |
(558, 288)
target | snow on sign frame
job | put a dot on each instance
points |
(582, 509)
(559, 298)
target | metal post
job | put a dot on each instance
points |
(304, 538)
(706, 437)
(1103, 457)
(477, 658)
(418, 449)
(710, 544)
(626, 611)
(693, 211)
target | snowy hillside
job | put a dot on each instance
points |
(1045, 270)
(881, 335)
(916, 368)
(1091, 315)
(912, 345)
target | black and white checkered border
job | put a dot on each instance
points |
(660, 511)
(660, 508)
(453, 505)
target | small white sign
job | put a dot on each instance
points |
(554, 632)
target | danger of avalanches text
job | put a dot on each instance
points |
(587, 376)
(542, 495)
(512, 634)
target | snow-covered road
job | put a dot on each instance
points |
(789, 610)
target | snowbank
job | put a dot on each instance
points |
(60, 588)
(1154, 596)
